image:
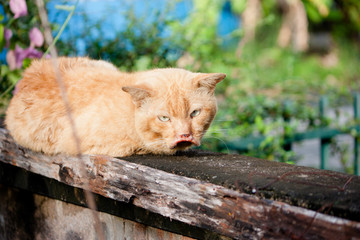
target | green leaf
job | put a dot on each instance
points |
(14, 76)
(2, 40)
(313, 13)
(143, 63)
(26, 62)
(238, 6)
(4, 70)
(260, 124)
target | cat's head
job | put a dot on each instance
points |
(173, 108)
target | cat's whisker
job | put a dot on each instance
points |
(153, 143)
(215, 133)
(227, 148)
(224, 120)
(217, 130)
(161, 142)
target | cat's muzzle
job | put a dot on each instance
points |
(184, 141)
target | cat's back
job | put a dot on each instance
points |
(43, 76)
(114, 113)
(37, 116)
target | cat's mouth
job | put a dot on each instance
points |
(182, 144)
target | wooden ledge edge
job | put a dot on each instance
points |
(198, 203)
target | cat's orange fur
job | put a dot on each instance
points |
(115, 113)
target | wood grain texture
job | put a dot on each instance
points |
(195, 202)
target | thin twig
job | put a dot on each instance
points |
(52, 45)
(8, 89)
(49, 40)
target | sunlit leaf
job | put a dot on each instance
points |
(238, 6)
(2, 39)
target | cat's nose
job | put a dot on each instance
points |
(187, 135)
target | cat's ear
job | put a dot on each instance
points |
(138, 94)
(208, 81)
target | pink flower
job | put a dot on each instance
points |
(20, 55)
(11, 59)
(7, 35)
(36, 38)
(18, 7)
(15, 58)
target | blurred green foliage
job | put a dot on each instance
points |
(139, 46)
(274, 92)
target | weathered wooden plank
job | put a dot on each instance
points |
(18, 178)
(300, 186)
(213, 207)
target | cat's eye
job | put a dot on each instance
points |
(195, 113)
(163, 118)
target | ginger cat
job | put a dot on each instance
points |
(115, 113)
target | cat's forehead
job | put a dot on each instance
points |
(175, 105)
(174, 91)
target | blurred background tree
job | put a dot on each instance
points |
(280, 56)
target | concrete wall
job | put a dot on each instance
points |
(24, 215)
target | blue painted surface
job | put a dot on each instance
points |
(228, 22)
(111, 14)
